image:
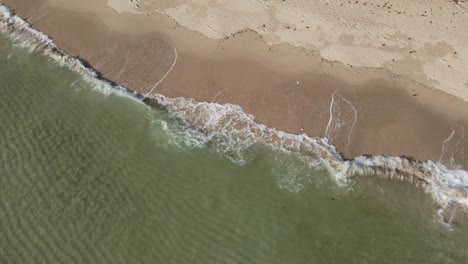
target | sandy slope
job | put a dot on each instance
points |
(425, 40)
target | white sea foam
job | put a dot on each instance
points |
(238, 130)
(26, 37)
(234, 131)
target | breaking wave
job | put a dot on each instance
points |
(234, 132)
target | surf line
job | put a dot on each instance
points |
(167, 73)
(448, 187)
(330, 120)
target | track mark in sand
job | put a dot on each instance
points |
(104, 60)
(127, 60)
(452, 151)
(354, 122)
(282, 92)
(167, 73)
(444, 143)
(217, 96)
(461, 9)
(331, 113)
(334, 126)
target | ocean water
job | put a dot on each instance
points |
(91, 175)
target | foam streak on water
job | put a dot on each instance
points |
(234, 131)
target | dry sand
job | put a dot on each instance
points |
(287, 73)
(422, 39)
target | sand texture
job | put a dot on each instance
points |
(423, 39)
(371, 81)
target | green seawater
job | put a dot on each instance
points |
(93, 177)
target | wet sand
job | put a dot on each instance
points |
(286, 87)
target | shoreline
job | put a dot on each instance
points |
(431, 175)
(396, 116)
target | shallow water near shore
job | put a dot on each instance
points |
(94, 177)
